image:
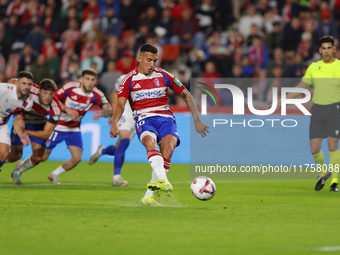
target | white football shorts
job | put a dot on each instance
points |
(4, 134)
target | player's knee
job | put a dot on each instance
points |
(37, 159)
(4, 155)
(314, 150)
(76, 159)
(15, 157)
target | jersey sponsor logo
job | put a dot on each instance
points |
(56, 117)
(178, 82)
(148, 94)
(137, 86)
(156, 82)
(104, 100)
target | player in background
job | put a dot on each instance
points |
(126, 126)
(36, 126)
(146, 88)
(76, 98)
(13, 99)
(325, 119)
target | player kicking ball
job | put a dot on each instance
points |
(127, 131)
(34, 123)
(146, 89)
(76, 98)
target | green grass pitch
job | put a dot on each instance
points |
(87, 215)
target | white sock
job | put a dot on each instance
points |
(116, 176)
(25, 165)
(156, 161)
(60, 170)
(148, 192)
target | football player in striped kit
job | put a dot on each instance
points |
(146, 89)
(76, 99)
(34, 123)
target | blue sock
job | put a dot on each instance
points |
(120, 155)
(1, 163)
(109, 150)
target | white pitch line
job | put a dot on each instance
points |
(327, 248)
(143, 183)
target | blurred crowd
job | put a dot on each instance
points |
(196, 38)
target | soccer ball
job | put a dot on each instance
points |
(203, 188)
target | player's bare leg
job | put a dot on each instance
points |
(28, 163)
(4, 152)
(334, 161)
(16, 153)
(76, 153)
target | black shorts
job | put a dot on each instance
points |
(325, 121)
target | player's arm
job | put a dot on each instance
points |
(19, 128)
(106, 113)
(189, 100)
(74, 114)
(42, 134)
(116, 115)
(114, 99)
(292, 95)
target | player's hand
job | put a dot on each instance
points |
(114, 130)
(97, 115)
(201, 128)
(25, 139)
(111, 120)
(74, 114)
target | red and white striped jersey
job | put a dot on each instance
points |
(148, 94)
(39, 112)
(9, 102)
(72, 96)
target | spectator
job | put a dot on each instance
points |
(277, 60)
(327, 26)
(128, 14)
(164, 27)
(254, 32)
(236, 71)
(40, 69)
(49, 46)
(90, 23)
(91, 8)
(109, 78)
(210, 70)
(35, 38)
(258, 54)
(91, 41)
(27, 58)
(248, 70)
(19, 9)
(92, 58)
(205, 13)
(73, 73)
(104, 5)
(66, 60)
(110, 24)
(11, 70)
(291, 35)
(273, 39)
(234, 37)
(111, 54)
(186, 31)
(177, 10)
(126, 63)
(248, 20)
(150, 17)
(306, 47)
(50, 22)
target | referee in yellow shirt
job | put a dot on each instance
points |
(324, 75)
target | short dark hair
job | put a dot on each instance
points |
(326, 39)
(89, 71)
(48, 84)
(147, 47)
(25, 74)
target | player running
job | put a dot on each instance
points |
(146, 88)
(13, 99)
(76, 99)
(325, 121)
(36, 126)
(126, 126)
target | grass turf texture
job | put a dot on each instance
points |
(87, 215)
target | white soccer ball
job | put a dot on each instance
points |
(203, 188)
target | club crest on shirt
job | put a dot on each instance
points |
(156, 82)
